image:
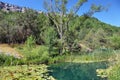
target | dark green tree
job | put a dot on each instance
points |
(28, 23)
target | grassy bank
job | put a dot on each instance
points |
(36, 54)
(95, 56)
(113, 72)
(30, 66)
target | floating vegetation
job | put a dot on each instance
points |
(25, 72)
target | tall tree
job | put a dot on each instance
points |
(60, 15)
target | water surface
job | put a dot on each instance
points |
(77, 71)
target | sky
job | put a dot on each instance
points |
(111, 16)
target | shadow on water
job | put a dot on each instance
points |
(77, 71)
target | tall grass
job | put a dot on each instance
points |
(113, 71)
(8, 60)
(96, 55)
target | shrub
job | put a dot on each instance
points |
(114, 73)
(37, 54)
(7, 60)
(115, 41)
(30, 42)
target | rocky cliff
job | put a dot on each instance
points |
(9, 7)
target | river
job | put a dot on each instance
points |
(77, 71)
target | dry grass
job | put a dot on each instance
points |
(9, 50)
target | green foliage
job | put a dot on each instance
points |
(95, 56)
(38, 54)
(57, 32)
(30, 42)
(114, 73)
(25, 72)
(7, 60)
(60, 16)
(17, 27)
(115, 41)
(49, 36)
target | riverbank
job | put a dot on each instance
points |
(37, 59)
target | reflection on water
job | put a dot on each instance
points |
(77, 71)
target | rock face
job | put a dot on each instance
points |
(13, 8)
(9, 7)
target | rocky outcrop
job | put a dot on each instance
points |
(9, 7)
(13, 8)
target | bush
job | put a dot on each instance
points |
(115, 41)
(30, 42)
(8, 60)
(37, 54)
(114, 73)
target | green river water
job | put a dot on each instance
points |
(77, 71)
